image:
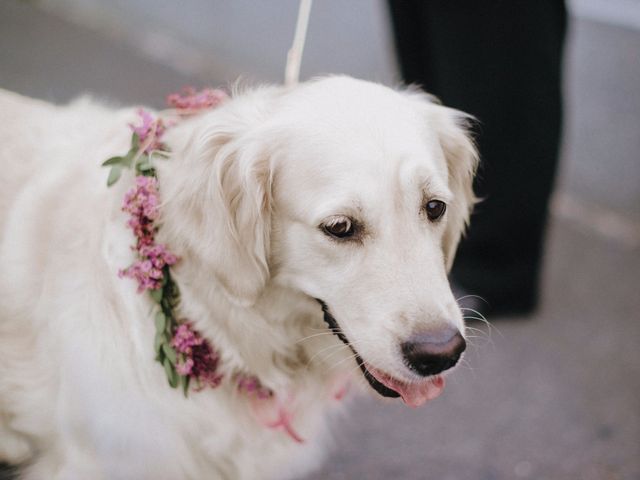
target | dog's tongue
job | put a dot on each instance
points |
(413, 394)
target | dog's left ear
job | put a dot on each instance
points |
(218, 202)
(243, 186)
(452, 127)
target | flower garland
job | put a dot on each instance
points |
(186, 356)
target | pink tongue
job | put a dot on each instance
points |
(413, 394)
(418, 394)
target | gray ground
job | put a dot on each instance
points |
(556, 396)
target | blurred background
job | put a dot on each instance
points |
(555, 396)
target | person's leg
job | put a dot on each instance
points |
(411, 40)
(500, 61)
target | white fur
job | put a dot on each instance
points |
(246, 188)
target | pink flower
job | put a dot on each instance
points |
(250, 385)
(186, 367)
(200, 361)
(190, 101)
(184, 338)
(148, 270)
(141, 202)
(150, 132)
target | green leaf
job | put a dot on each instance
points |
(160, 340)
(174, 302)
(172, 293)
(163, 154)
(114, 175)
(113, 161)
(135, 141)
(169, 352)
(156, 295)
(127, 160)
(161, 322)
(184, 380)
(144, 166)
(172, 375)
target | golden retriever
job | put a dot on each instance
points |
(314, 228)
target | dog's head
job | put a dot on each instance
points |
(354, 194)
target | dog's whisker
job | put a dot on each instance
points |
(355, 355)
(476, 312)
(477, 334)
(476, 316)
(472, 317)
(474, 329)
(477, 337)
(350, 335)
(327, 357)
(357, 367)
(319, 329)
(482, 299)
(338, 346)
(336, 350)
(478, 340)
(473, 337)
(480, 317)
(464, 364)
(321, 334)
(483, 341)
(351, 345)
(484, 337)
(342, 360)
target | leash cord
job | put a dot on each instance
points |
(294, 56)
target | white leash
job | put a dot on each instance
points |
(294, 56)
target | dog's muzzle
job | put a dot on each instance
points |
(337, 331)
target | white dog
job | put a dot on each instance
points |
(314, 228)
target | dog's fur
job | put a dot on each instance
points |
(244, 194)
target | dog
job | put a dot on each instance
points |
(314, 227)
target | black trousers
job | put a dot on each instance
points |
(499, 60)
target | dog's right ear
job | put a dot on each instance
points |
(218, 200)
(460, 153)
(453, 131)
(452, 128)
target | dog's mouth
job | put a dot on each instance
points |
(413, 394)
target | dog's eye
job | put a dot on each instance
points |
(339, 227)
(435, 209)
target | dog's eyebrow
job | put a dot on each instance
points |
(431, 190)
(443, 195)
(349, 207)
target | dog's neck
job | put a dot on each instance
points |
(263, 339)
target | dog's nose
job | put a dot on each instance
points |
(434, 351)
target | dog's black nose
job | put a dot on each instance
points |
(434, 351)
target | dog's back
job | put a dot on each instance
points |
(21, 121)
(48, 158)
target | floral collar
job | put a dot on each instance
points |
(190, 361)
(187, 357)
